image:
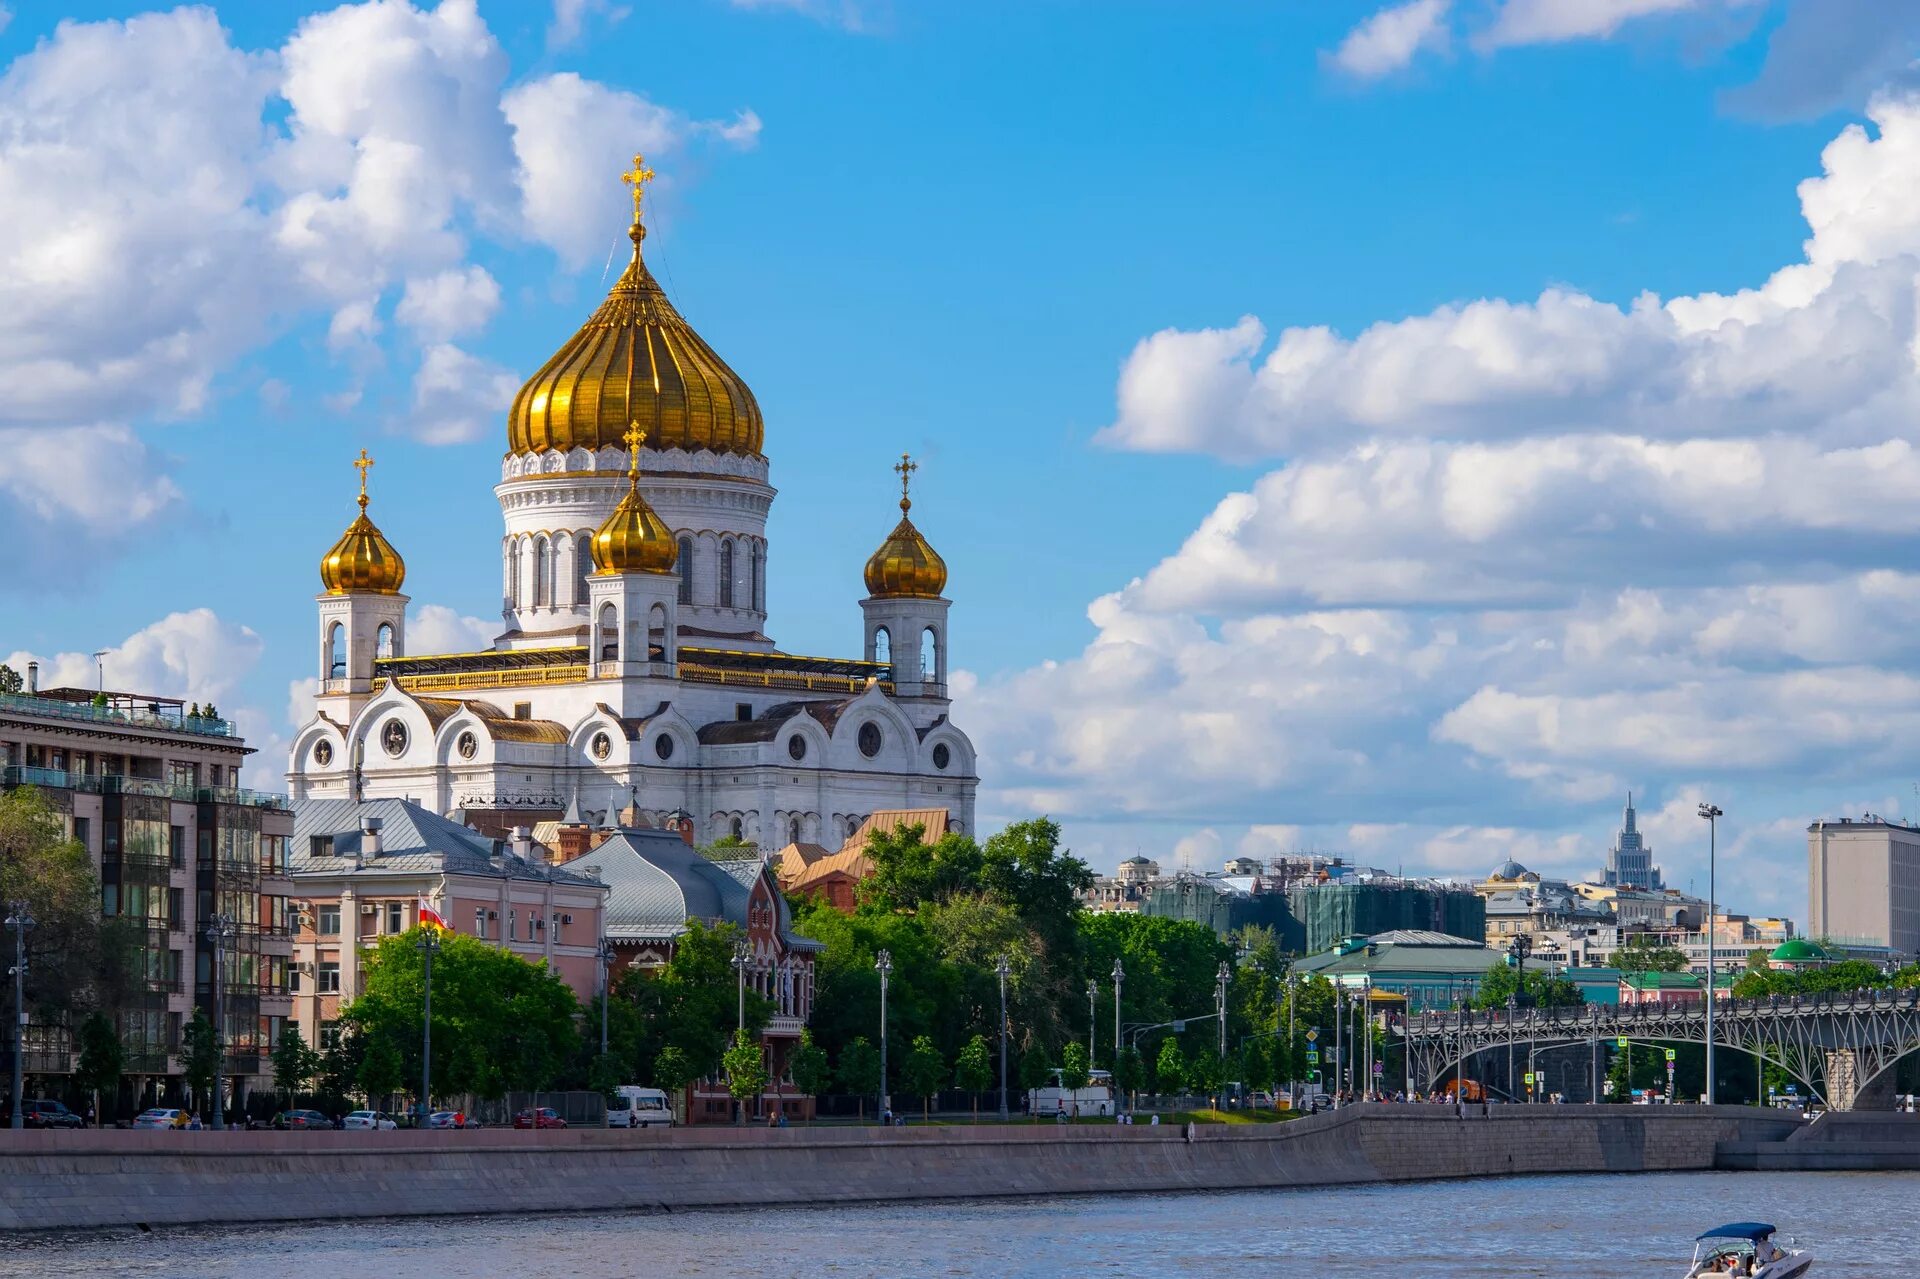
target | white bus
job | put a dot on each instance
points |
(1057, 1099)
(633, 1107)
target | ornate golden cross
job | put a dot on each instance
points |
(635, 437)
(905, 468)
(637, 178)
(361, 464)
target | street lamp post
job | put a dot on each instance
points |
(1712, 816)
(742, 956)
(1093, 1016)
(221, 932)
(429, 946)
(883, 964)
(1001, 970)
(1220, 1002)
(20, 920)
(604, 953)
(1119, 975)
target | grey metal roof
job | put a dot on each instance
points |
(658, 882)
(413, 840)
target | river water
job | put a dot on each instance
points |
(1564, 1227)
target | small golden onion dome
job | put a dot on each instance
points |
(905, 566)
(363, 559)
(634, 539)
(636, 360)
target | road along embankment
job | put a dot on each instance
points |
(65, 1180)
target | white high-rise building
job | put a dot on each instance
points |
(634, 669)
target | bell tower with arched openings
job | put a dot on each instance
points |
(905, 614)
(363, 615)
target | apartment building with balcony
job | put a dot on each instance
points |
(152, 790)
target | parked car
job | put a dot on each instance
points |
(368, 1120)
(544, 1117)
(292, 1120)
(45, 1113)
(1260, 1100)
(160, 1117)
(449, 1119)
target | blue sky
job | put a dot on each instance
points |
(1422, 597)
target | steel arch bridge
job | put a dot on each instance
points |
(1837, 1046)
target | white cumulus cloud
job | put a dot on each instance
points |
(1391, 38)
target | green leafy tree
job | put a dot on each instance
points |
(1075, 1073)
(1256, 1065)
(672, 1072)
(859, 1071)
(746, 1071)
(9, 679)
(101, 1061)
(1170, 1067)
(689, 1003)
(974, 1070)
(1502, 981)
(808, 1066)
(200, 1058)
(490, 1008)
(1130, 1072)
(294, 1064)
(1642, 956)
(923, 1072)
(380, 1070)
(604, 1074)
(1036, 1071)
(1206, 1072)
(78, 960)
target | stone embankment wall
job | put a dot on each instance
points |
(65, 1180)
(1838, 1141)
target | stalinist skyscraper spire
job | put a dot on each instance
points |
(1630, 861)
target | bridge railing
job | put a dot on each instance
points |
(1868, 1000)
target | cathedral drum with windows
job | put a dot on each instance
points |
(634, 679)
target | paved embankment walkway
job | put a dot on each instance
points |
(81, 1179)
(1856, 1141)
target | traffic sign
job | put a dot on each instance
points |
(1179, 1027)
(1793, 1089)
(1313, 1058)
(1312, 1034)
(1622, 1041)
(1379, 1067)
(1529, 1079)
(1607, 1087)
(1669, 1054)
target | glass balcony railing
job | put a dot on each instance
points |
(153, 787)
(156, 716)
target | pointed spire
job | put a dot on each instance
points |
(637, 178)
(573, 815)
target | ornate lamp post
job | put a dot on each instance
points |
(604, 953)
(1221, 979)
(429, 946)
(221, 932)
(1000, 970)
(742, 956)
(1712, 816)
(883, 964)
(1093, 995)
(1119, 975)
(21, 921)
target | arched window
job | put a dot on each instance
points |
(929, 654)
(882, 646)
(582, 564)
(609, 634)
(756, 577)
(793, 831)
(383, 641)
(513, 572)
(686, 569)
(735, 828)
(337, 651)
(538, 597)
(726, 574)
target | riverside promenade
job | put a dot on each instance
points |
(66, 1180)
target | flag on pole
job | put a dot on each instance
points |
(430, 918)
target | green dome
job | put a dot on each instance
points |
(1798, 951)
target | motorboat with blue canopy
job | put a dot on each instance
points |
(1746, 1249)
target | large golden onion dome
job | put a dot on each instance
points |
(363, 559)
(634, 539)
(905, 566)
(636, 360)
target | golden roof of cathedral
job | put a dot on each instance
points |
(634, 539)
(636, 360)
(906, 566)
(363, 559)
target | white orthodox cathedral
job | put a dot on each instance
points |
(634, 670)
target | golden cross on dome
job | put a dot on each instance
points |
(905, 468)
(362, 464)
(637, 178)
(635, 437)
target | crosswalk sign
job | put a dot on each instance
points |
(1621, 1042)
(1669, 1054)
(1313, 1058)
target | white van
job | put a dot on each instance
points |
(632, 1107)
